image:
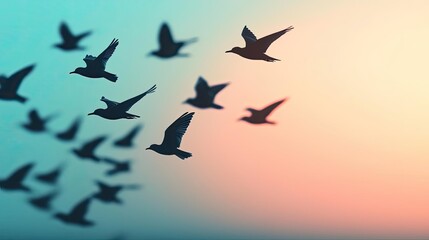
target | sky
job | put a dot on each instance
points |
(348, 157)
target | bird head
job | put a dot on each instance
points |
(77, 70)
(234, 50)
(243, 119)
(96, 112)
(189, 100)
(152, 147)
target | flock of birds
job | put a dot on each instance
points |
(255, 49)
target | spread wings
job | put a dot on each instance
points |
(261, 44)
(165, 38)
(174, 133)
(126, 105)
(267, 110)
(65, 32)
(91, 145)
(108, 102)
(81, 208)
(21, 173)
(101, 60)
(204, 90)
(248, 36)
(12, 83)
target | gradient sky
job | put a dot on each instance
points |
(348, 157)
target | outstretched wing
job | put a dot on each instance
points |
(216, 89)
(202, 88)
(12, 84)
(174, 133)
(165, 38)
(80, 210)
(34, 116)
(21, 173)
(65, 32)
(267, 110)
(108, 102)
(91, 145)
(263, 43)
(89, 60)
(248, 36)
(107, 53)
(126, 105)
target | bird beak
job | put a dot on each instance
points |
(228, 51)
(90, 114)
(147, 148)
(72, 72)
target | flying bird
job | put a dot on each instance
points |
(173, 137)
(87, 150)
(255, 48)
(206, 94)
(167, 46)
(118, 166)
(36, 123)
(96, 66)
(70, 41)
(127, 140)
(109, 193)
(117, 110)
(77, 214)
(260, 116)
(9, 85)
(52, 176)
(43, 202)
(70, 133)
(15, 181)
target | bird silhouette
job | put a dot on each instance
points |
(87, 150)
(9, 85)
(255, 48)
(173, 137)
(52, 176)
(70, 41)
(260, 116)
(117, 110)
(167, 46)
(15, 181)
(77, 214)
(43, 202)
(36, 123)
(70, 133)
(127, 140)
(206, 94)
(118, 166)
(109, 193)
(96, 66)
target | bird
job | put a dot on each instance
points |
(118, 166)
(255, 48)
(117, 110)
(127, 140)
(36, 123)
(167, 46)
(43, 202)
(173, 137)
(70, 133)
(77, 214)
(109, 193)
(96, 66)
(86, 151)
(70, 41)
(260, 116)
(9, 85)
(52, 176)
(206, 94)
(14, 182)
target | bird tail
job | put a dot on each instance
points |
(214, 105)
(131, 116)
(182, 154)
(110, 76)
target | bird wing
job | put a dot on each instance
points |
(107, 53)
(216, 89)
(91, 145)
(174, 133)
(102, 186)
(267, 110)
(108, 102)
(126, 105)
(34, 116)
(12, 84)
(248, 36)
(65, 32)
(202, 87)
(89, 60)
(81, 208)
(21, 173)
(263, 43)
(165, 38)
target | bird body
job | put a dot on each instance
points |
(205, 95)
(260, 116)
(9, 85)
(69, 40)
(167, 46)
(36, 123)
(15, 181)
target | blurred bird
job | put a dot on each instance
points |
(70, 133)
(52, 176)
(259, 116)
(36, 123)
(206, 94)
(70, 41)
(117, 110)
(118, 166)
(96, 66)
(43, 202)
(108, 193)
(173, 137)
(77, 214)
(127, 140)
(15, 181)
(9, 85)
(255, 48)
(167, 46)
(88, 148)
